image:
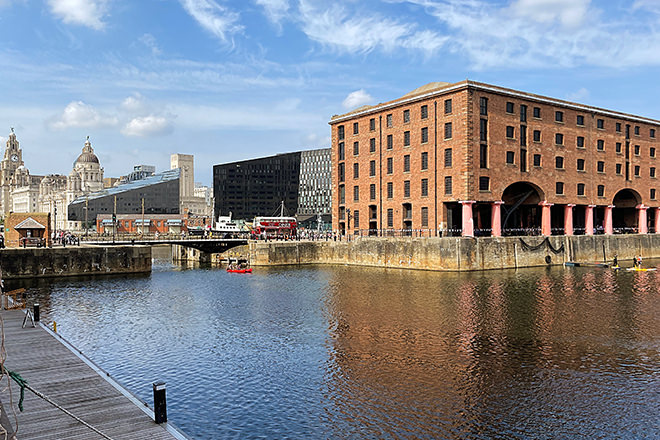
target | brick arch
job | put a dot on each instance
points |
(626, 198)
(521, 213)
(625, 215)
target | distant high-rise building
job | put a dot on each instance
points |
(257, 187)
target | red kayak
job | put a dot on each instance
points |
(248, 270)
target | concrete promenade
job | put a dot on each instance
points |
(51, 366)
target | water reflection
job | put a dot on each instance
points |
(369, 353)
(529, 354)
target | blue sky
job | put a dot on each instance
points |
(231, 80)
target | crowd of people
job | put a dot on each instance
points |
(64, 238)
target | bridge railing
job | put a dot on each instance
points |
(160, 237)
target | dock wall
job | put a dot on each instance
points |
(74, 260)
(456, 253)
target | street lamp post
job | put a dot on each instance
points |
(55, 217)
(86, 209)
(114, 220)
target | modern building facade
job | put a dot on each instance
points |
(257, 187)
(471, 158)
(315, 183)
(159, 194)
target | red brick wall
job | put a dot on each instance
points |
(12, 236)
(465, 143)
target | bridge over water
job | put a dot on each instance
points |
(208, 245)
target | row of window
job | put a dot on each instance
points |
(484, 185)
(600, 190)
(559, 164)
(483, 104)
(390, 141)
(559, 140)
(389, 119)
(510, 159)
(559, 117)
(424, 191)
(407, 216)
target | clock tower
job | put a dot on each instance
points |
(13, 158)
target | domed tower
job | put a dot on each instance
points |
(88, 169)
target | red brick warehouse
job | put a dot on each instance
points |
(477, 159)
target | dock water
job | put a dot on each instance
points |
(53, 367)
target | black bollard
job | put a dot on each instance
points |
(36, 312)
(160, 404)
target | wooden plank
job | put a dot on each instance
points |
(52, 368)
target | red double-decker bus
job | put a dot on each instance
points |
(274, 226)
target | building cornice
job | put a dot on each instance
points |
(472, 85)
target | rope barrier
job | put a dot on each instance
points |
(24, 385)
(545, 242)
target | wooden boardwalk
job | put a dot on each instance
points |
(54, 368)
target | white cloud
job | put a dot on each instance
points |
(151, 125)
(539, 33)
(579, 95)
(213, 17)
(79, 114)
(335, 27)
(275, 10)
(570, 13)
(150, 42)
(649, 5)
(356, 99)
(82, 12)
(134, 104)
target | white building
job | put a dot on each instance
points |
(22, 192)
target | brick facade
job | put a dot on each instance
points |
(13, 237)
(486, 139)
(154, 223)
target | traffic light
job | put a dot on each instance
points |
(114, 218)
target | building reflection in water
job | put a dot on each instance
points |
(502, 354)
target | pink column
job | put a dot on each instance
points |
(546, 225)
(657, 220)
(496, 219)
(468, 222)
(589, 220)
(568, 219)
(642, 224)
(609, 229)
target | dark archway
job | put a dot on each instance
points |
(521, 213)
(454, 218)
(624, 214)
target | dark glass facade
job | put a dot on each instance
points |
(257, 187)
